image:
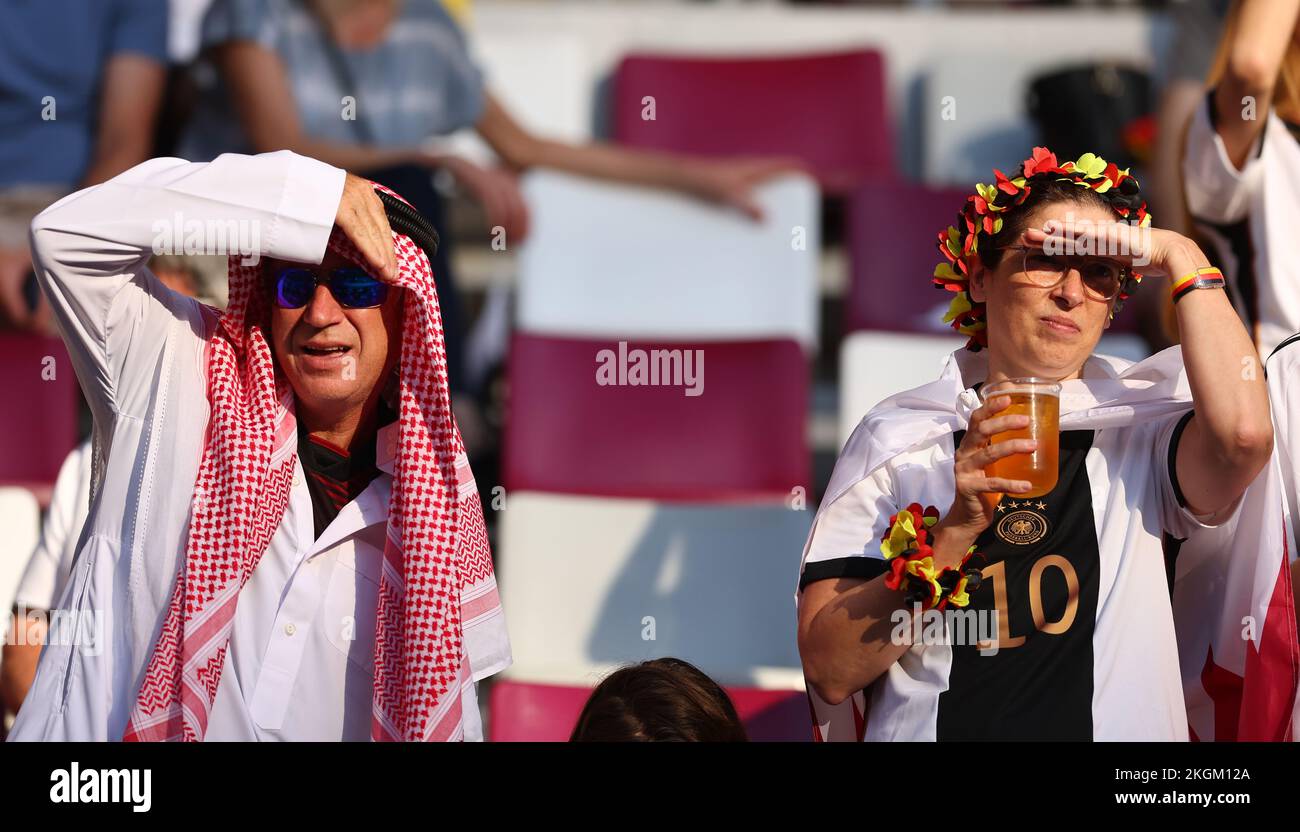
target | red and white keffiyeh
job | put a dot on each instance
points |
(437, 579)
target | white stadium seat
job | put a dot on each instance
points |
(876, 365)
(589, 583)
(608, 260)
(547, 83)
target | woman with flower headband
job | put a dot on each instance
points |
(1085, 645)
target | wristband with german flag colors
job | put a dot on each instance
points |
(1206, 278)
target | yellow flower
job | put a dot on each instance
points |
(947, 272)
(901, 536)
(988, 192)
(960, 306)
(959, 597)
(922, 568)
(1090, 165)
(954, 241)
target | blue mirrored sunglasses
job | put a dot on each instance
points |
(351, 286)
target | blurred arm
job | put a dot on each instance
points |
(22, 652)
(1263, 33)
(128, 110)
(725, 181)
(1229, 440)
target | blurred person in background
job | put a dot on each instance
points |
(1085, 643)
(366, 84)
(1197, 25)
(80, 88)
(44, 578)
(1242, 178)
(50, 564)
(1241, 165)
(663, 700)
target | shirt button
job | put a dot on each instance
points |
(290, 629)
(297, 479)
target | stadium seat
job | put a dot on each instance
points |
(38, 428)
(589, 584)
(976, 121)
(547, 83)
(534, 712)
(876, 365)
(990, 127)
(892, 228)
(742, 438)
(608, 260)
(828, 110)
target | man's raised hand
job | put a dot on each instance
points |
(362, 219)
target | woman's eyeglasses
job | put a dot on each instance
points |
(1102, 278)
(351, 286)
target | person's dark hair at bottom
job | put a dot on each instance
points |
(664, 700)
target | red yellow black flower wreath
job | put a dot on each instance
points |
(910, 557)
(982, 216)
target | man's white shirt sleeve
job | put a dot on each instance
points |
(91, 247)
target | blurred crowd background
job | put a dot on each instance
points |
(823, 147)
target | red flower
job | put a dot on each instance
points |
(1042, 161)
(896, 567)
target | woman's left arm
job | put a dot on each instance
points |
(1229, 439)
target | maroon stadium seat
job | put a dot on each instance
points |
(38, 423)
(530, 712)
(892, 228)
(828, 110)
(742, 439)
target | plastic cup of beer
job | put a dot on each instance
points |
(1040, 400)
